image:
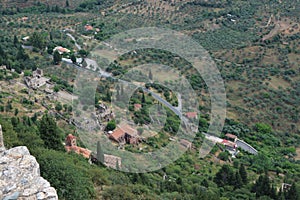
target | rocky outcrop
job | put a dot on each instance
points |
(20, 177)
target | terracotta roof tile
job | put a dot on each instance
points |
(229, 135)
(191, 114)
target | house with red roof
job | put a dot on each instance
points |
(137, 106)
(231, 137)
(88, 27)
(72, 146)
(24, 19)
(124, 134)
(230, 146)
(61, 50)
(191, 115)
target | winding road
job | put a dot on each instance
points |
(177, 110)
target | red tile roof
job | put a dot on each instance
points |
(62, 49)
(137, 106)
(229, 143)
(191, 114)
(127, 129)
(117, 133)
(79, 150)
(70, 137)
(229, 135)
(88, 27)
(121, 130)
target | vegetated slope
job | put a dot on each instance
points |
(258, 61)
(29, 3)
(253, 43)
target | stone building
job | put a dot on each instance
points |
(125, 134)
(37, 79)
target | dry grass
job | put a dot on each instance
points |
(276, 83)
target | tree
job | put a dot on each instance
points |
(224, 155)
(56, 57)
(225, 176)
(21, 55)
(56, 88)
(262, 186)
(16, 41)
(82, 53)
(111, 125)
(150, 75)
(73, 58)
(65, 107)
(100, 154)
(292, 193)
(69, 172)
(243, 174)
(49, 133)
(38, 40)
(67, 3)
(58, 107)
(70, 108)
(280, 195)
(117, 165)
(143, 98)
(238, 180)
(263, 128)
(205, 183)
(16, 111)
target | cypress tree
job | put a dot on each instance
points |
(205, 183)
(150, 75)
(243, 174)
(73, 58)
(292, 194)
(117, 165)
(16, 41)
(262, 187)
(100, 154)
(238, 180)
(280, 195)
(67, 3)
(56, 57)
(143, 98)
(49, 133)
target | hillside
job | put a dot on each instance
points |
(255, 46)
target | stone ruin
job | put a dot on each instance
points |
(20, 176)
(37, 79)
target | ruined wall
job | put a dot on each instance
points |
(20, 176)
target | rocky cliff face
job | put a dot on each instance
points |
(20, 177)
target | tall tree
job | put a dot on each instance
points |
(67, 3)
(100, 154)
(49, 133)
(143, 98)
(292, 193)
(16, 41)
(224, 176)
(38, 40)
(150, 75)
(262, 186)
(243, 174)
(238, 180)
(73, 58)
(56, 58)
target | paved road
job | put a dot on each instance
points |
(177, 110)
(247, 147)
(75, 42)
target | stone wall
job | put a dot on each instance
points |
(20, 176)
